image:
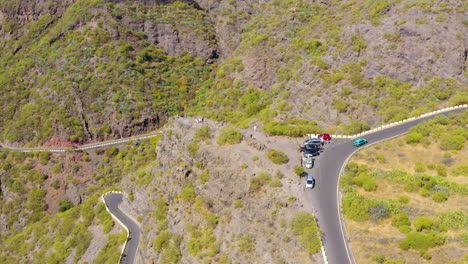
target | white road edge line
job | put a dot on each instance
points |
(344, 234)
(118, 221)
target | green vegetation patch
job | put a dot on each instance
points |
(229, 135)
(306, 230)
(292, 127)
(278, 157)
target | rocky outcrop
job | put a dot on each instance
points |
(26, 11)
(418, 44)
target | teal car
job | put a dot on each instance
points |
(359, 142)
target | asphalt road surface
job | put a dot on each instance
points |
(324, 197)
(113, 201)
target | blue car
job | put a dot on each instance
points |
(359, 142)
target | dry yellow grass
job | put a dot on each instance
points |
(371, 238)
(401, 156)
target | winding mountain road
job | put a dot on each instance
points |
(113, 201)
(325, 197)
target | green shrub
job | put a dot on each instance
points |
(464, 238)
(440, 197)
(188, 192)
(237, 203)
(356, 208)
(112, 152)
(65, 205)
(305, 228)
(453, 219)
(246, 243)
(426, 255)
(452, 142)
(204, 133)
(419, 167)
(340, 105)
(44, 157)
(260, 180)
(404, 199)
(278, 157)
(55, 184)
(413, 138)
(356, 127)
(276, 183)
(298, 170)
(422, 223)
(441, 170)
(422, 242)
(405, 229)
(379, 258)
(204, 176)
(460, 170)
(366, 182)
(425, 192)
(401, 219)
(193, 149)
(292, 127)
(229, 135)
(459, 98)
(162, 241)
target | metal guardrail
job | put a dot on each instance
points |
(87, 146)
(400, 122)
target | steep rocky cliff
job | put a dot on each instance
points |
(222, 202)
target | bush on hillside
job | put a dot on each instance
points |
(356, 208)
(229, 135)
(366, 182)
(292, 127)
(464, 238)
(422, 223)
(202, 134)
(304, 226)
(298, 170)
(278, 157)
(356, 127)
(460, 170)
(440, 197)
(65, 205)
(422, 242)
(258, 181)
(419, 167)
(452, 142)
(413, 138)
(453, 219)
(400, 219)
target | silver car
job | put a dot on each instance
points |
(310, 182)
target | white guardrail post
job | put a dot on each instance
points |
(118, 221)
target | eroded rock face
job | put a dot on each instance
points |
(26, 11)
(405, 51)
